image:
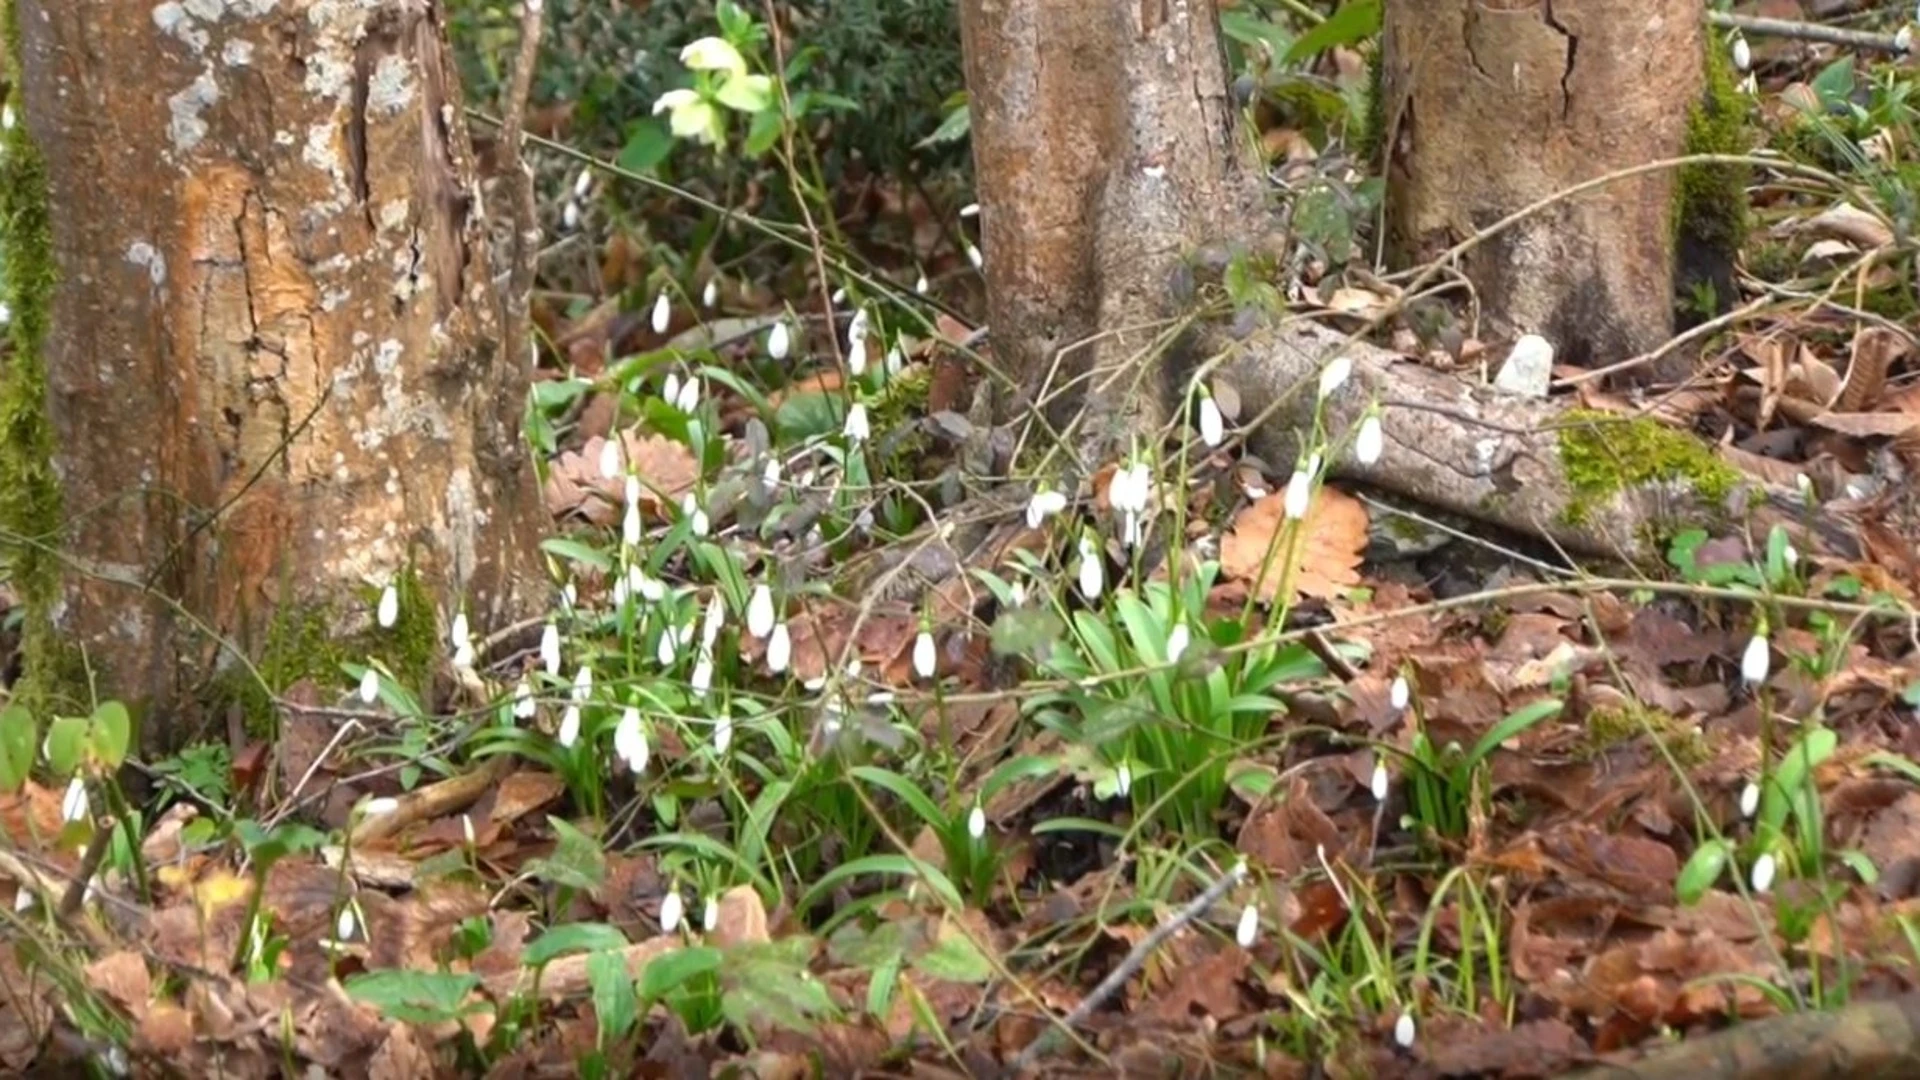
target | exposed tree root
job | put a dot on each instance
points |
(1868, 1039)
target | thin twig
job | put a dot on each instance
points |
(1805, 31)
(1130, 964)
(517, 177)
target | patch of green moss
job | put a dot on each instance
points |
(1712, 201)
(1608, 728)
(1602, 455)
(30, 502)
(1372, 135)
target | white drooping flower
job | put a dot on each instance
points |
(974, 257)
(583, 184)
(838, 297)
(760, 613)
(369, 686)
(1903, 38)
(388, 612)
(1177, 641)
(857, 329)
(1399, 693)
(1369, 441)
(1213, 427)
(1756, 661)
(1131, 488)
(671, 909)
(856, 429)
(920, 284)
(73, 805)
(1092, 576)
(583, 683)
(713, 54)
(610, 452)
(1299, 495)
(569, 726)
(1742, 54)
(976, 822)
(345, 926)
(710, 917)
(524, 704)
(1403, 1030)
(1249, 927)
(379, 807)
(1749, 799)
(688, 398)
(1122, 779)
(462, 640)
(925, 659)
(778, 341)
(714, 620)
(630, 525)
(1381, 780)
(711, 293)
(630, 741)
(550, 649)
(779, 649)
(1763, 870)
(662, 312)
(650, 589)
(702, 678)
(570, 216)
(895, 359)
(972, 209)
(1335, 375)
(1043, 505)
(771, 474)
(696, 516)
(722, 733)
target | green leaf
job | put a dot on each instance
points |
(615, 1005)
(1709, 861)
(577, 861)
(922, 805)
(418, 997)
(899, 865)
(1834, 85)
(66, 741)
(953, 127)
(955, 958)
(1356, 21)
(763, 131)
(112, 732)
(1516, 722)
(18, 739)
(572, 938)
(670, 971)
(578, 552)
(648, 144)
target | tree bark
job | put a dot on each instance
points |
(1491, 105)
(273, 380)
(1102, 147)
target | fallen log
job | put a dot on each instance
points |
(1869, 1039)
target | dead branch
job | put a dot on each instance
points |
(1868, 1039)
(522, 212)
(1805, 31)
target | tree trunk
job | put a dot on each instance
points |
(273, 380)
(1491, 105)
(1102, 147)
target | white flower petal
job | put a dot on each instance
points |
(1399, 693)
(1335, 374)
(976, 822)
(1763, 871)
(73, 805)
(713, 54)
(1212, 425)
(760, 613)
(856, 429)
(1403, 1030)
(925, 658)
(671, 909)
(1177, 641)
(550, 649)
(711, 293)
(1369, 441)
(779, 649)
(1249, 927)
(569, 726)
(369, 686)
(389, 610)
(1756, 661)
(1749, 799)
(662, 312)
(1299, 495)
(778, 341)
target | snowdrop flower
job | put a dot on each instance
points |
(713, 54)
(711, 293)
(1299, 495)
(1018, 594)
(369, 686)
(972, 209)
(583, 184)
(778, 341)
(1213, 426)
(702, 679)
(1132, 488)
(1369, 440)
(925, 660)
(610, 453)
(389, 610)
(524, 705)
(379, 807)
(1762, 876)
(1249, 927)
(760, 614)
(1043, 505)
(722, 734)
(1381, 780)
(1177, 641)
(346, 924)
(920, 284)
(652, 590)
(662, 312)
(570, 216)
(856, 429)
(583, 683)
(895, 359)
(839, 297)
(669, 648)
(550, 649)
(1790, 555)
(771, 474)
(73, 805)
(1756, 661)
(630, 741)
(779, 649)
(857, 329)
(630, 525)
(1742, 54)
(1091, 578)
(1749, 799)
(671, 908)
(1399, 693)
(569, 726)
(714, 619)
(466, 829)
(1403, 1031)
(688, 399)
(976, 822)
(6, 117)
(974, 257)
(462, 641)
(22, 899)
(1122, 779)
(710, 918)
(1335, 375)
(696, 517)
(1903, 39)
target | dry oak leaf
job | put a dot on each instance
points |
(575, 483)
(1332, 540)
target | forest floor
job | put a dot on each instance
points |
(1297, 781)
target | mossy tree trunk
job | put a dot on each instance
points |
(271, 379)
(1491, 106)
(1103, 157)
